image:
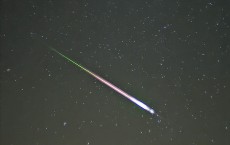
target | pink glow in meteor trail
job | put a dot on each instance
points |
(131, 98)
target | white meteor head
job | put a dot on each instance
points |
(151, 111)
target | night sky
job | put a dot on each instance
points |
(172, 55)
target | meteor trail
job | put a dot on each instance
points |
(118, 90)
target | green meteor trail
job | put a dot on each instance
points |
(75, 63)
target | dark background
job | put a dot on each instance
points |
(172, 55)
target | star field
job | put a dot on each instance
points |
(172, 55)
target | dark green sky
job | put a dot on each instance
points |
(172, 55)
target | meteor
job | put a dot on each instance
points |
(115, 88)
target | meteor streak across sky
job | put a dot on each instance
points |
(118, 90)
